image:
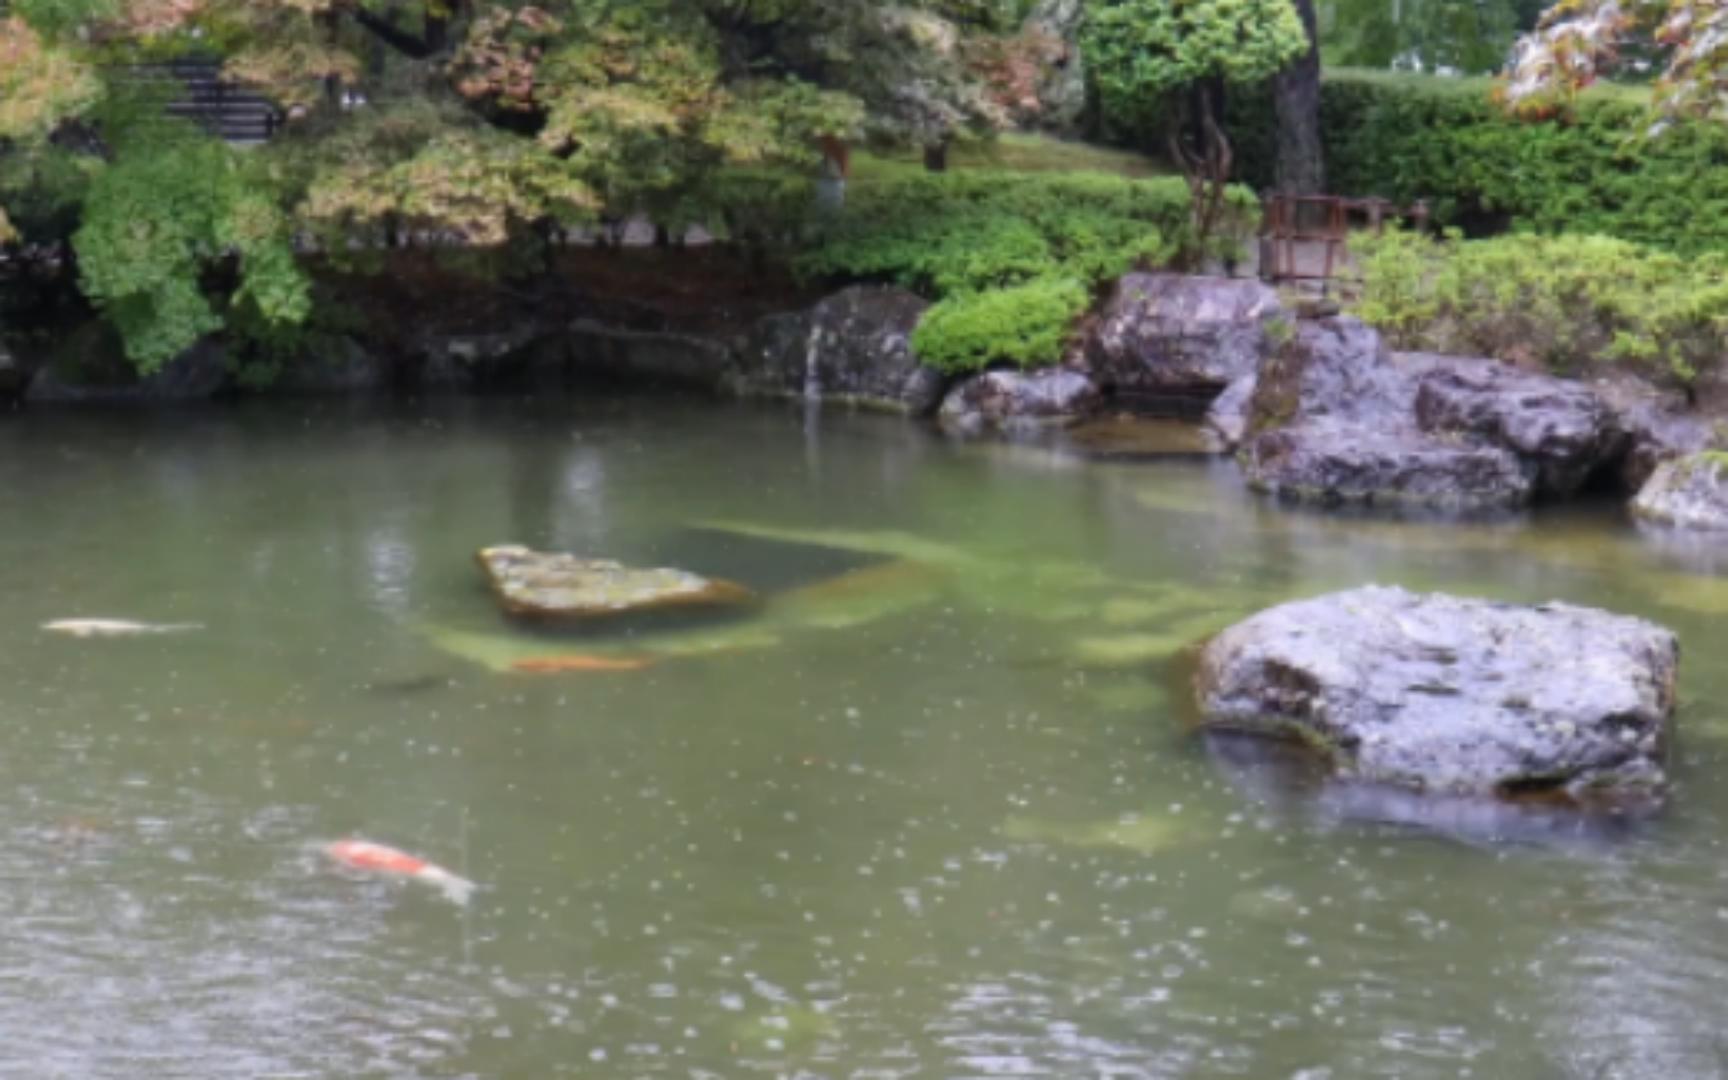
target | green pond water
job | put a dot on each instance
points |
(929, 810)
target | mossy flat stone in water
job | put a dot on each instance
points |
(539, 585)
(1447, 695)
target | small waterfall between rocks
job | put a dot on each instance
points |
(812, 380)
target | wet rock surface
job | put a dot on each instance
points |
(1446, 695)
(1334, 417)
(1337, 462)
(1657, 428)
(1687, 493)
(1562, 429)
(854, 346)
(462, 361)
(1008, 401)
(1164, 335)
(1335, 369)
(554, 586)
(1228, 417)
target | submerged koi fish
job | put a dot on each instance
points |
(544, 665)
(89, 628)
(380, 859)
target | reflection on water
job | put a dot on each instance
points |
(932, 810)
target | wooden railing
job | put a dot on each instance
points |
(1303, 237)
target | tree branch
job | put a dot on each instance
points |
(392, 35)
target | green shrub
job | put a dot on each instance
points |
(1566, 302)
(956, 237)
(1408, 137)
(1024, 325)
(937, 232)
(164, 219)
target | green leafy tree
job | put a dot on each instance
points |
(1168, 63)
(488, 122)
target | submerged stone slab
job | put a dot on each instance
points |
(1448, 695)
(1687, 493)
(540, 585)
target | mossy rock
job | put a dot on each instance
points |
(561, 587)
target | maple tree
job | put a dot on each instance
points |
(1578, 42)
(482, 122)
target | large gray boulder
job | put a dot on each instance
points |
(1449, 695)
(1335, 417)
(1333, 463)
(1332, 420)
(1336, 369)
(1175, 335)
(1687, 493)
(1657, 427)
(1013, 401)
(1562, 429)
(853, 347)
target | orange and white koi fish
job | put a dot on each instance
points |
(549, 665)
(380, 859)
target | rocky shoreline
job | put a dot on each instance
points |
(1314, 405)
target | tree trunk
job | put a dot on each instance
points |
(936, 156)
(1300, 167)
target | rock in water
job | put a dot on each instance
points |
(1450, 695)
(1228, 416)
(537, 585)
(1688, 493)
(1334, 417)
(1164, 335)
(1657, 428)
(1564, 430)
(1011, 401)
(853, 347)
(1330, 463)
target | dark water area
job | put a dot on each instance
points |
(931, 809)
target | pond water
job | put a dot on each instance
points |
(930, 810)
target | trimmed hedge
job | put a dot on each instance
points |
(1025, 325)
(1408, 137)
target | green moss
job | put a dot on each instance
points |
(1715, 460)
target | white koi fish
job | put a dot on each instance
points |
(94, 628)
(380, 859)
